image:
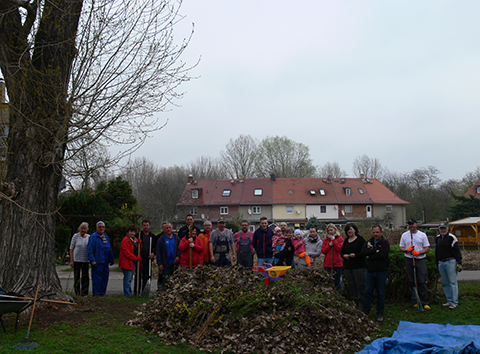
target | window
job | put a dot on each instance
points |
(226, 193)
(258, 191)
(289, 209)
(194, 193)
(290, 191)
(478, 189)
(389, 208)
(348, 191)
(194, 211)
(322, 192)
(348, 209)
(257, 210)
(223, 210)
(360, 190)
(312, 192)
(323, 209)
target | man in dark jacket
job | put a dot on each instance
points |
(262, 242)
(185, 230)
(168, 254)
(449, 261)
(376, 250)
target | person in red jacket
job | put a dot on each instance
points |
(331, 248)
(129, 249)
(195, 244)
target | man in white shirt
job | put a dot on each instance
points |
(415, 245)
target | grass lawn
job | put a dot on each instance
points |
(98, 325)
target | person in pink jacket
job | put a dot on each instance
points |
(331, 247)
(299, 246)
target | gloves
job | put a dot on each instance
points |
(331, 237)
(94, 264)
(369, 244)
(459, 267)
(410, 249)
(192, 245)
(415, 253)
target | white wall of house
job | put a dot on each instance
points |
(331, 211)
(397, 212)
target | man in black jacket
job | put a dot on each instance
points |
(449, 261)
(376, 250)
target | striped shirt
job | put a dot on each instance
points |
(79, 247)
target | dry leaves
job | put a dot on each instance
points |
(232, 309)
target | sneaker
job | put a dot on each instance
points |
(380, 319)
(447, 304)
(426, 307)
(452, 306)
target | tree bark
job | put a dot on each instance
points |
(37, 82)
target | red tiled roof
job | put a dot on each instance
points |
(291, 191)
(374, 192)
(473, 190)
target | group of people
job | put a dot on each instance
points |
(364, 263)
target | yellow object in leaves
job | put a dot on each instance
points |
(276, 272)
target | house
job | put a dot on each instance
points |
(474, 190)
(294, 200)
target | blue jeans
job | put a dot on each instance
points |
(337, 275)
(127, 281)
(378, 281)
(260, 261)
(448, 272)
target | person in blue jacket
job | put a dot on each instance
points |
(100, 255)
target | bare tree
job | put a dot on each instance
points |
(205, 167)
(77, 72)
(369, 167)
(283, 158)
(238, 159)
(157, 189)
(331, 169)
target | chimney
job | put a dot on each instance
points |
(190, 178)
(272, 177)
(362, 176)
(330, 177)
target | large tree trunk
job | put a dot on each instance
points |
(39, 120)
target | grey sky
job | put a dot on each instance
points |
(396, 80)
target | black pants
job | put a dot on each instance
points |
(81, 283)
(421, 269)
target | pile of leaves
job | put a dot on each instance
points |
(231, 309)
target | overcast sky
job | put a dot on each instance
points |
(396, 80)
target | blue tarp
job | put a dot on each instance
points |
(428, 338)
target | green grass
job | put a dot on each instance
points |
(467, 313)
(106, 332)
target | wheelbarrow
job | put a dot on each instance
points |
(271, 273)
(16, 303)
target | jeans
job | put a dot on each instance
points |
(260, 261)
(127, 281)
(337, 275)
(378, 281)
(448, 272)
